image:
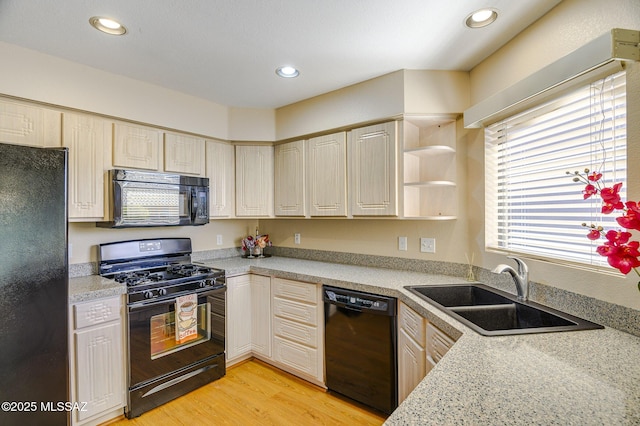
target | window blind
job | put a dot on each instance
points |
(532, 206)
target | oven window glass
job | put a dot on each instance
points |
(170, 334)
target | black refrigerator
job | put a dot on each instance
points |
(33, 286)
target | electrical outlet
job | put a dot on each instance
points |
(219, 239)
(428, 245)
(296, 238)
(402, 243)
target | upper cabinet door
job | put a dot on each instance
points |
(327, 175)
(30, 125)
(254, 181)
(220, 168)
(373, 180)
(290, 179)
(184, 154)
(136, 147)
(89, 141)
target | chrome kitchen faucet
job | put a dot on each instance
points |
(520, 278)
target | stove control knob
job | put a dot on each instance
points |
(202, 283)
(148, 294)
(162, 292)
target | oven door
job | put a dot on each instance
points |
(154, 349)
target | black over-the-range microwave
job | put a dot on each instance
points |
(141, 198)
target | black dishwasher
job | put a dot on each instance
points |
(361, 347)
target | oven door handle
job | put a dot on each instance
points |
(145, 304)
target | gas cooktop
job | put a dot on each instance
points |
(157, 269)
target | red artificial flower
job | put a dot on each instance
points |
(589, 190)
(611, 198)
(594, 177)
(626, 258)
(621, 254)
(593, 235)
(631, 218)
(607, 249)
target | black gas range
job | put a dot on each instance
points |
(155, 269)
(175, 318)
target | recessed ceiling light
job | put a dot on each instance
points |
(481, 18)
(287, 72)
(107, 25)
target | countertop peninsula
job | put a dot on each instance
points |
(580, 377)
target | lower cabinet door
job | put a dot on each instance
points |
(296, 356)
(99, 368)
(411, 365)
(238, 317)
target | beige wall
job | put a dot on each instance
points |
(403, 91)
(252, 124)
(370, 100)
(36, 76)
(568, 26)
(85, 237)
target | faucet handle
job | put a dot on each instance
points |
(523, 270)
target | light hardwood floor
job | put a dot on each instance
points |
(254, 393)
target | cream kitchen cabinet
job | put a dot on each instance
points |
(136, 147)
(428, 187)
(420, 346)
(372, 162)
(261, 316)
(220, 169)
(289, 185)
(89, 141)
(184, 154)
(97, 360)
(248, 317)
(254, 180)
(437, 345)
(327, 175)
(298, 329)
(29, 124)
(411, 350)
(238, 318)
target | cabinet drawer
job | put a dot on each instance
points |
(438, 344)
(297, 290)
(294, 355)
(412, 323)
(96, 312)
(300, 333)
(295, 311)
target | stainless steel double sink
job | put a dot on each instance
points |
(492, 312)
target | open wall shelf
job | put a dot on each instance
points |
(429, 168)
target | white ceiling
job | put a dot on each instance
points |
(226, 51)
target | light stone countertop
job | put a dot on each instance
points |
(91, 287)
(565, 378)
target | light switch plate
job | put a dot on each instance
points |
(402, 243)
(428, 245)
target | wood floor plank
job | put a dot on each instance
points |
(254, 393)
